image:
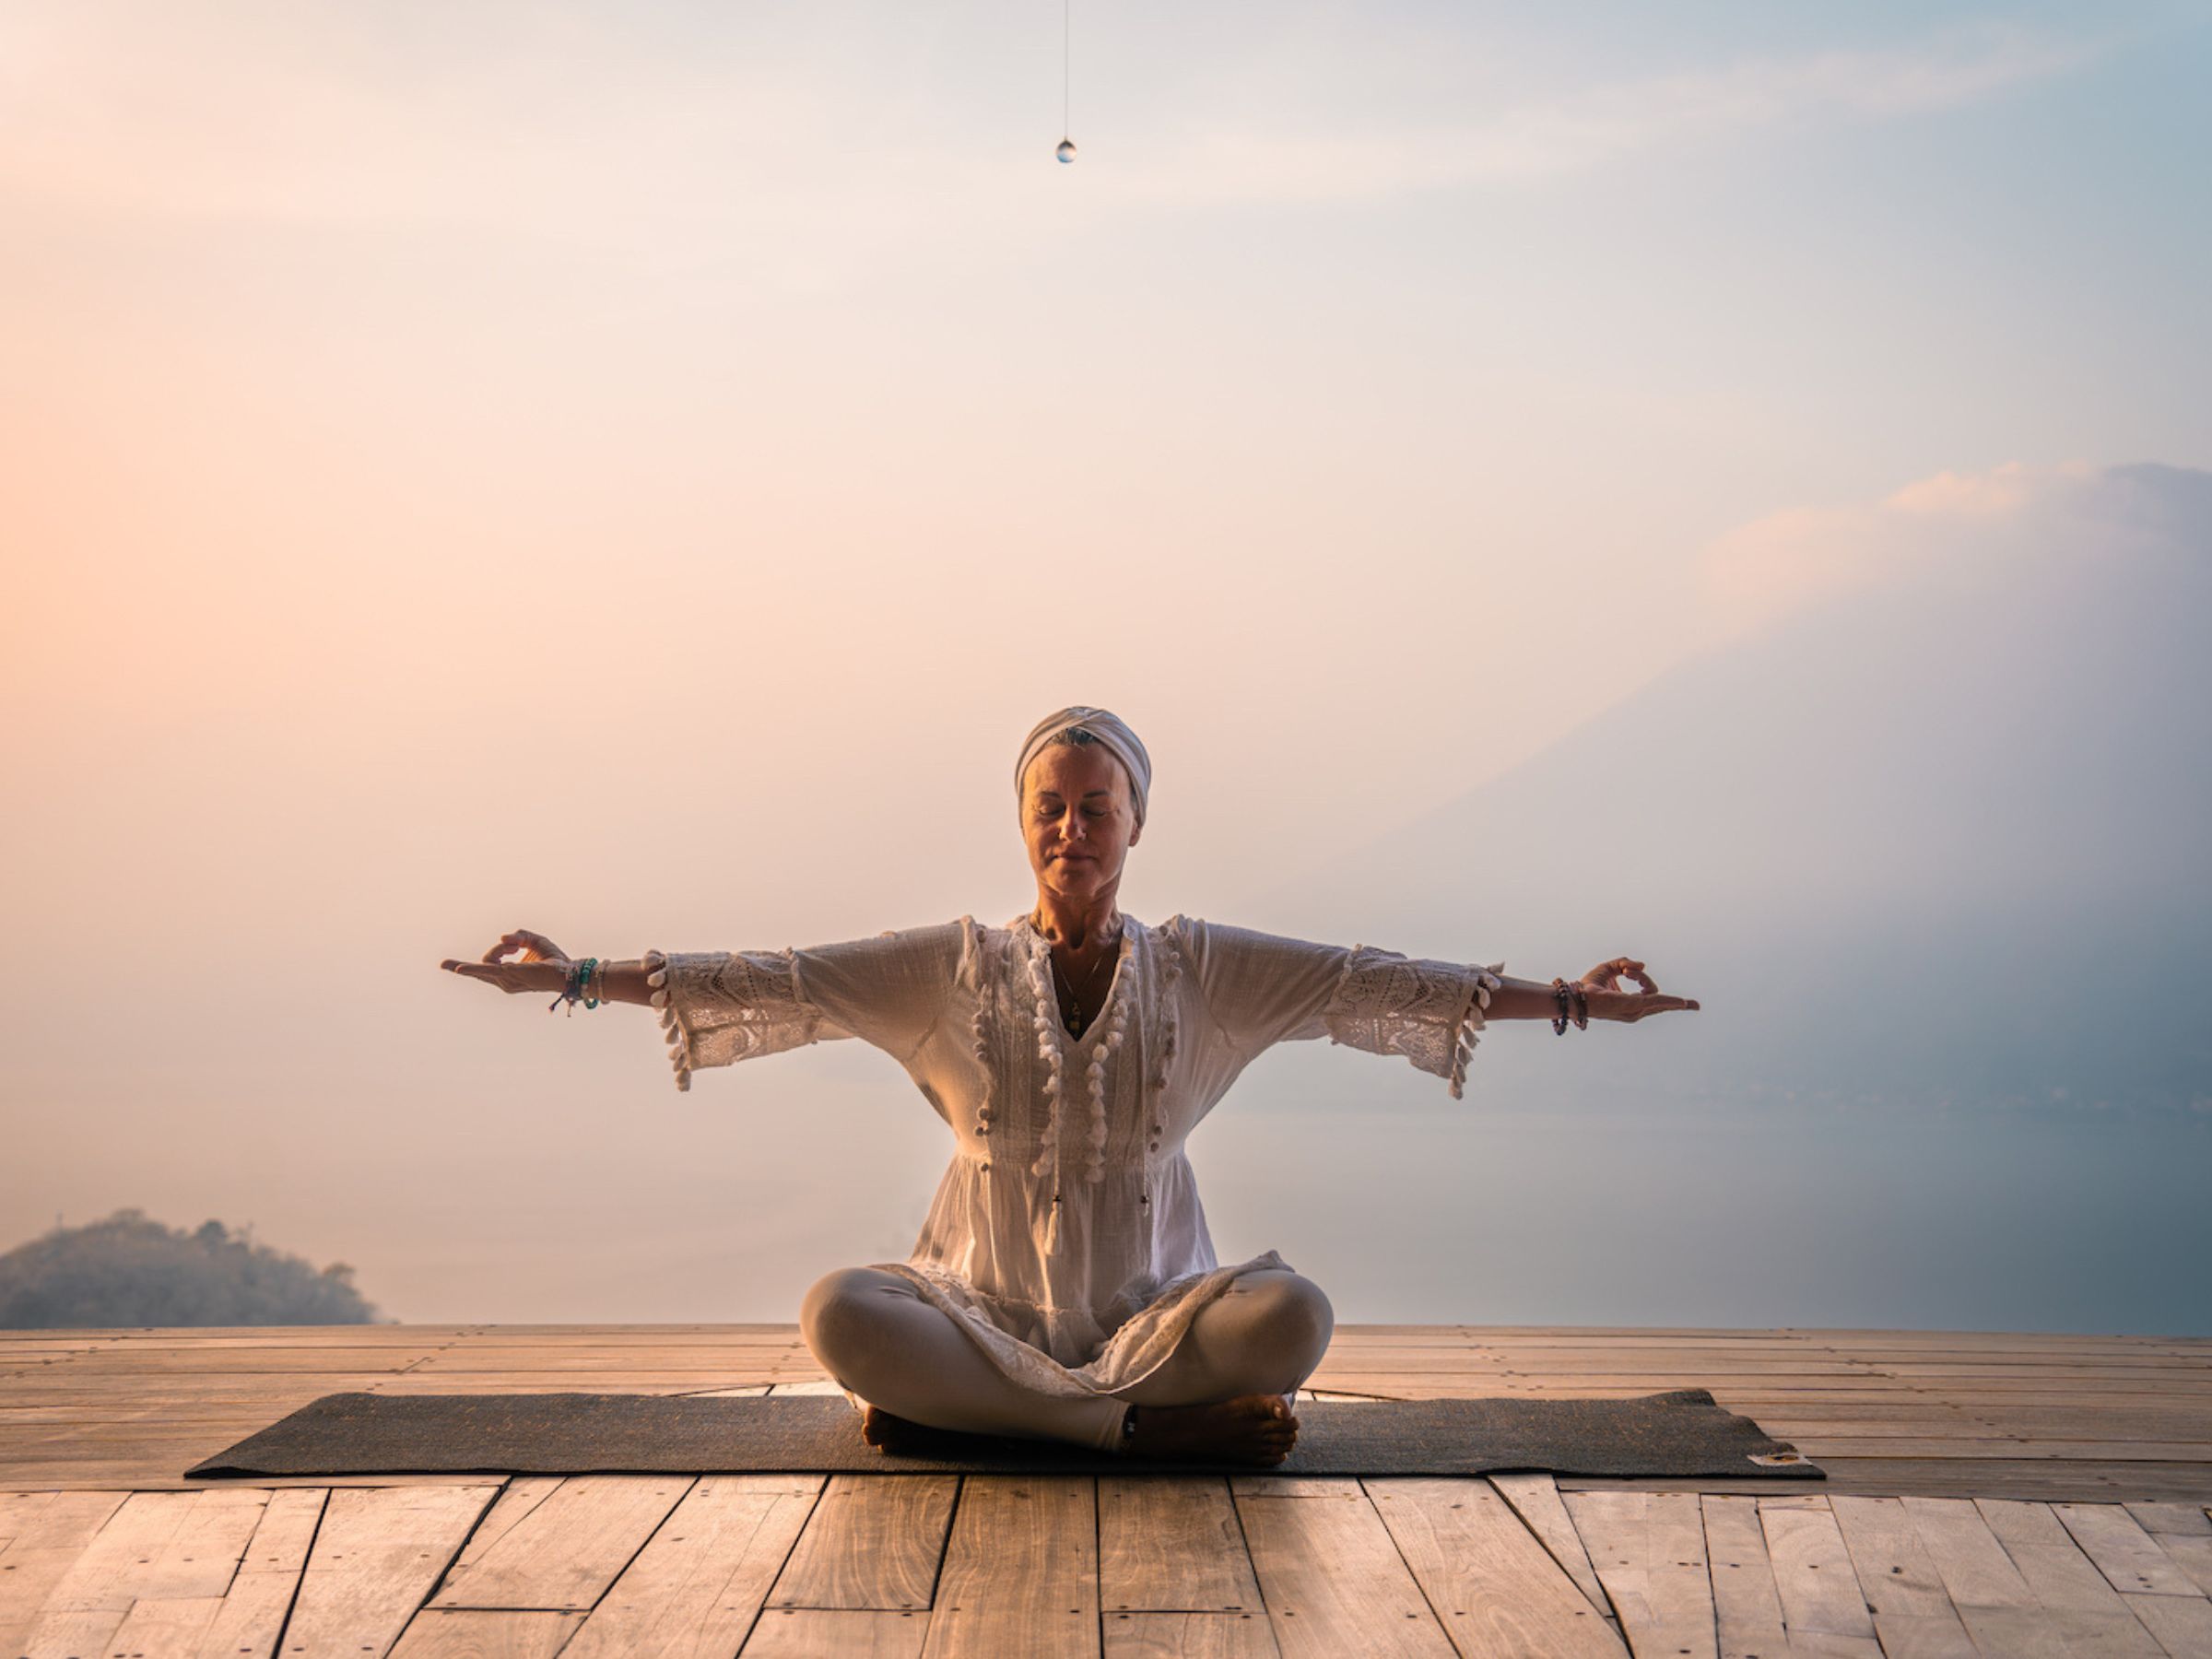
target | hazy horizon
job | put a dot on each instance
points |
(1732, 488)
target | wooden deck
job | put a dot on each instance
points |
(1990, 1494)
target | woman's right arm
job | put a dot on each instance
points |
(718, 1007)
(542, 966)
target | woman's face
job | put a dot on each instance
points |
(1077, 818)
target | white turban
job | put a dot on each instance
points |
(1121, 743)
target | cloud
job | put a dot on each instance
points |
(1778, 566)
(1576, 129)
(585, 127)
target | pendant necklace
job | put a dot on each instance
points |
(1075, 1000)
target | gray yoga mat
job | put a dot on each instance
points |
(1659, 1434)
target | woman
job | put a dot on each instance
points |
(1064, 1285)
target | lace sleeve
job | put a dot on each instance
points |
(721, 1007)
(1264, 989)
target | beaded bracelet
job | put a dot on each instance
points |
(574, 980)
(1574, 1004)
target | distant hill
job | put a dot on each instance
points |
(1938, 839)
(131, 1270)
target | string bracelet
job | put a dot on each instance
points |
(573, 989)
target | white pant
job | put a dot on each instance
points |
(880, 1339)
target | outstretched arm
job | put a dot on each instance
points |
(541, 965)
(1263, 988)
(1534, 999)
(720, 1007)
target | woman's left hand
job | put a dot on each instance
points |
(1609, 1000)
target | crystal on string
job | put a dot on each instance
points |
(1066, 152)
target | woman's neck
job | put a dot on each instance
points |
(1073, 923)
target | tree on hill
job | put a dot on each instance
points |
(131, 1270)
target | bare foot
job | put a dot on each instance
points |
(1251, 1428)
(891, 1434)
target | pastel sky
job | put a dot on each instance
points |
(636, 471)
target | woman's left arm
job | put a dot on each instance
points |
(1262, 989)
(1601, 994)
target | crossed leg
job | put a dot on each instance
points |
(878, 1337)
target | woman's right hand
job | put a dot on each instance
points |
(540, 966)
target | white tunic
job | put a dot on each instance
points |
(1066, 1235)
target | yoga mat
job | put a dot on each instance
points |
(1682, 1433)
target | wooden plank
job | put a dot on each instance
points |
(1894, 1568)
(108, 1475)
(69, 1632)
(1821, 1447)
(1904, 1590)
(250, 1619)
(102, 1575)
(2184, 1519)
(2191, 1554)
(568, 1547)
(1188, 1635)
(1969, 1558)
(2043, 1480)
(50, 1537)
(696, 1587)
(1747, 1608)
(1649, 1551)
(2127, 1556)
(1339, 1487)
(252, 1614)
(281, 1543)
(522, 1494)
(1170, 1544)
(1021, 1570)
(15, 1512)
(203, 1557)
(171, 1625)
(475, 1633)
(836, 1633)
(1934, 1636)
(377, 1555)
(162, 1546)
(2073, 1611)
(1536, 1499)
(872, 1542)
(1334, 1580)
(2181, 1625)
(1488, 1578)
(1820, 1592)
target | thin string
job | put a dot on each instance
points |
(1066, 8)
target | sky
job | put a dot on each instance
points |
(636, 471)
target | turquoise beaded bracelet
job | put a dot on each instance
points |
(573, 990)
